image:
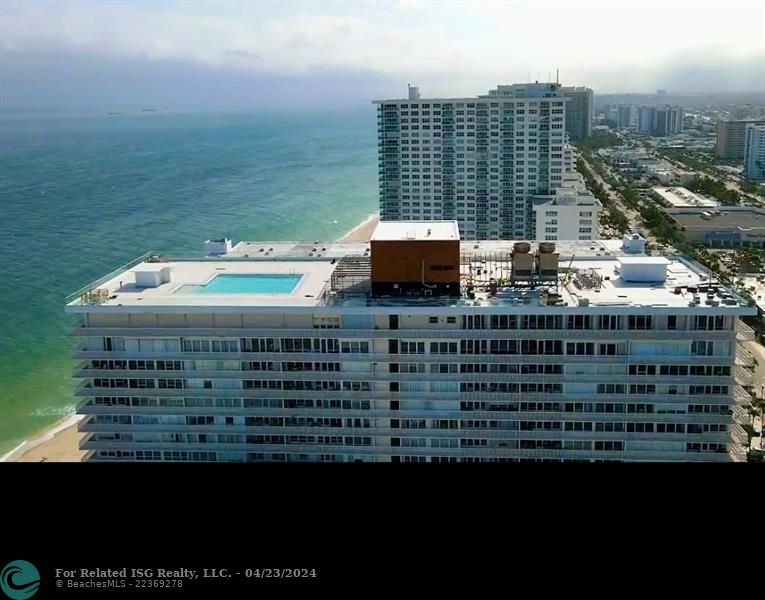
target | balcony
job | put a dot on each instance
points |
(741, 395)
(737, 453)
(744, 333)
(744, 358)
(743, 376)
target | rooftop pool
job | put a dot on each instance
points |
(244, 284)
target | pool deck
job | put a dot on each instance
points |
(123, 291)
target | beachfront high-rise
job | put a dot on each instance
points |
(754, 152)
(578, 112)
(414, 347)
(731, 137)
(478, 160)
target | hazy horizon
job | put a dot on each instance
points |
(242, 56)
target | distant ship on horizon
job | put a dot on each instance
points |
(148, 110)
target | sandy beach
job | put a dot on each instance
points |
(363, 231)
(60, 443)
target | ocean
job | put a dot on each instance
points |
(81, 194)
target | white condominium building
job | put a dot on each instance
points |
(415, 347)
(477, 160)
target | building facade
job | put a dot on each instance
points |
(667, 120)
(477, 160)
(754, 153)
(283, 352)
(626, 117)
(731, 137)
(645, 119)
(579, 111)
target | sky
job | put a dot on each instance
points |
(260, 53)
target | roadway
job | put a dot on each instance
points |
(634, 217)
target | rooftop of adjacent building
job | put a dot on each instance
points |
(521, 91)
(680, 197)
(599, 274)
(743, 218)
(416, 231)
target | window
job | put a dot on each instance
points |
(580, 348)
(412, 347)
(702, 348)
(326, 322)
(612, 349)
(443, 347)
(578, 322)
(611, 388)
(354, 347)
(639, 322)
(713, 323)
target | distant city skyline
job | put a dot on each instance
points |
(334, 54)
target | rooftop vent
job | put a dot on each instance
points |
(217, 247)
(633, 243)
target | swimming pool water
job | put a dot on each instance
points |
(245, 284)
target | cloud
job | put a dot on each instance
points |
(410, 5)
(294, 43)
(448, 48)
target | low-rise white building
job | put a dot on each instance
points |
(571, 213)
(680, 197)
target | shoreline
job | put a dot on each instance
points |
(60, 441)
(57, 443)
(363, 231)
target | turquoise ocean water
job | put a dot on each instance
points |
(82, 194)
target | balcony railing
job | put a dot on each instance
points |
(84, 390)
(82, 353)
(734, 451)
(84, 292)
(84, 408)
(453, 333)
(736, 435)
(383, 374)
